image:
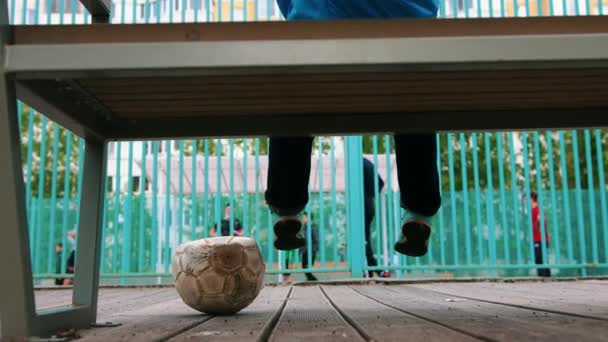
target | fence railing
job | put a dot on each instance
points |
(163, 193)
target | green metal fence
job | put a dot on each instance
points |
(163, 193)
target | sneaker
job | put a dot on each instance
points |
(287, 235)
(416, 231)
(311, 277)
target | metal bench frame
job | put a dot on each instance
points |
(17, 308)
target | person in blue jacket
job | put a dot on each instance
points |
(289, 157)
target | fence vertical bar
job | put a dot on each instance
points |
(117, 206)
(231, 200)
(133, 12)
(542, 219)
(554, 221)
(591, 196)
(515, 191)
(49, 5)
(454, 223)
(168, 214)
(269, 235)
(104, 224)
(354, 166)
(183, 10)
(477, 199)
(246, 185)
(503, 200)
(123, 10)
(565, 195)
(128, 225)
(602, 188)
(465, 194)
(41, 180)
(193, 190)
(24, 13)
(218, 189)
(206, 214)
(442, 12)
(490, 201)
(180, 194)
(28, 167)
(256, 148)
(53, 217)
(12, 22)
(19, 116)
(36, 12)
(142, 206)
(376, 196)
(579, 203)
(66, 198)
(528, 204)
(389, 190)
(334, 197)
(308, 235)
(441, 223)
(171, 10)
(79, 179)
(321, 220)
(157, 5)
(154, 254)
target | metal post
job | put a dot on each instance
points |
(16, 296)
(354, 163)
(86, 275)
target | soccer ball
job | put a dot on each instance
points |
(220, 275)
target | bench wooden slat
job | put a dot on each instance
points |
(195, 80)
(399, 28)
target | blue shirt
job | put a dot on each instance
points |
(357, 9)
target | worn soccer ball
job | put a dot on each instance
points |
(220, 275)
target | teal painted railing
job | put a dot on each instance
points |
(162, 193)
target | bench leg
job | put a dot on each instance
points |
(18, 317)
(83, 311)
(86, 281)
(17, 307)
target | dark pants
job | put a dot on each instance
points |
(538, 257)
(369, 217)
(289, 171)
(304, 258)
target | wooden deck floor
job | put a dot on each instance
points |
(487, 311)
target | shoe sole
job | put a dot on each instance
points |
(415, 239)
(286, 235)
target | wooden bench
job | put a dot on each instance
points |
(119, 82)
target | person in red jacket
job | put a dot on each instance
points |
(537, 236)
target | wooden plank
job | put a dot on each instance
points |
(77, 34)
(154, 322)
(371, 93)
(584, 287)
(131, 299)
(134, 85)
(487, 320)
(309, 316)
(247, 325)
(572, 292)
(526, 296)
(382, 323)
(46, 299)
(337, 104)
